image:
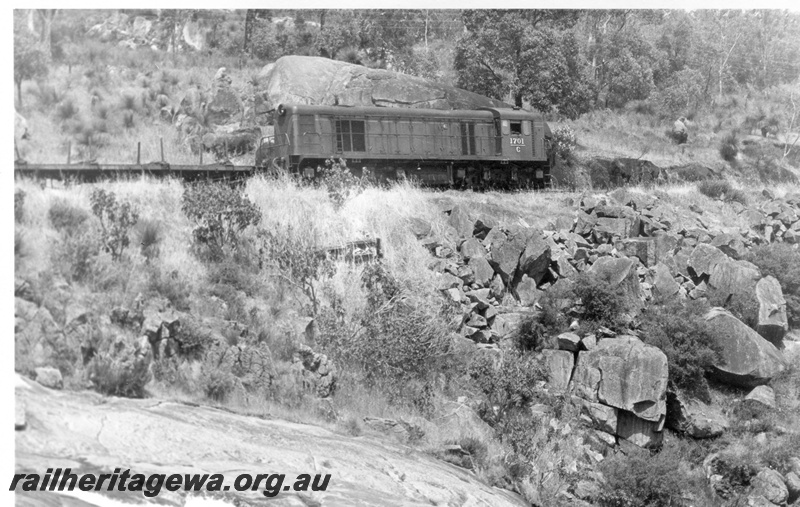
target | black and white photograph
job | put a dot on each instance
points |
(533, 255)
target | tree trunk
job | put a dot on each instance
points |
(249, 23)
(46, 16)
(19, 93)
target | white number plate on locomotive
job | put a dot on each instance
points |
(517, 141)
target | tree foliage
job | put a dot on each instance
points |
(30, 58)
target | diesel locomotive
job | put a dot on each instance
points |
(505, 147)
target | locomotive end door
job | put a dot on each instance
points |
(520, 143)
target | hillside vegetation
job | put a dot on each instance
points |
(484, 332)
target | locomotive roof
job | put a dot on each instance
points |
(482, 113)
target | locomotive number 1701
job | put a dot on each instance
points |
(517, 141)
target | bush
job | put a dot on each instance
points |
(729, 147)
(74, 256)
(564, 141)
(681, 332)
(536, 328)
(221, 213)
(116, 220)
(781, 261)
(507, 384)
(170, 285)
(65, 217)
(397, 342)
(603, 304)
(296, 259)
(114, 378)
(743, 306)
(642, 480)
(340, 182)
(149, 239)
(721, 189)
(19, 205)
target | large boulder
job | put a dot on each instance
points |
(535, 258)
(627, 374)
(732, 277)
(506, 250)
(772, 321)
(320, 81)
(704, 258)
(747, 359)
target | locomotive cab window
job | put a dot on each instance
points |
(350, 135)
(516, 128)
(526, 128)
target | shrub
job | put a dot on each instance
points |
(736, 473)
(781, 261)
(170, 285)
(507, 384)
(116, 220)
(397, 342)
(128, 120)
(149, 239)
(340, 182)
(536, 328)
(66, 110)
(19, 205)
(115, 378)
(564, 141)
(743, 306)
(603, 304)
(681, 332)
(729, 147)
(294, 256)
(639, 479)
(721, 189)
(221, 213)
(65, 217)
(74, 256)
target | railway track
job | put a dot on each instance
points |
(88, 173)
(92, 172)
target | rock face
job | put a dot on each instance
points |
(76, 430)
(628, 375)
(559, 365)
(320, 81)
(748, 359)
(772, 321)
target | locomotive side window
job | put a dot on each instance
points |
(350, 135)
(526, 128)
(468, 139)
(516, 128)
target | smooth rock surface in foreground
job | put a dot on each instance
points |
(91, 433)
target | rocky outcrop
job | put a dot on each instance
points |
(320, 81)
(558, 364)
(748, 359)
(86, 432)
(628, 375)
